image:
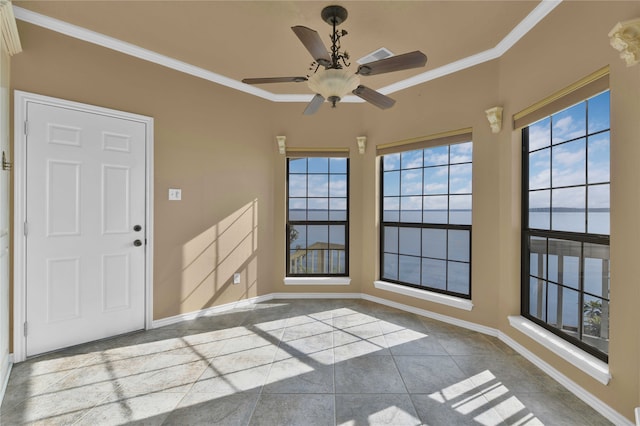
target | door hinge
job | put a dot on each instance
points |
(26, 127)
(25, 329)
(26, 229)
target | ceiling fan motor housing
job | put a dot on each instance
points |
(334, 15)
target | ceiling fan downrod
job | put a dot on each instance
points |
(334, 16)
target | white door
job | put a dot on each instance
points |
(85, 227)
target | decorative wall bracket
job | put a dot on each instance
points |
(625, 38)
(6, 165)
(282, 148)
(362, 143)
(494, 115)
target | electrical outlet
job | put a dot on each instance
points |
(175, 194)
(236, 278)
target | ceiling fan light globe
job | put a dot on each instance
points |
(333, 83)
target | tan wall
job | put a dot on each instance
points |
(209, 140)
(219, 147)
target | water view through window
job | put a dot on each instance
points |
(426, 218)
(566, 225)
(317, 216)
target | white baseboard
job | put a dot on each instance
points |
(444, 318)
(209, 311)
(5, 382)
(602, 408)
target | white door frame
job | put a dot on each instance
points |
(21, 101)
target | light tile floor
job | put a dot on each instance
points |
(302, 362)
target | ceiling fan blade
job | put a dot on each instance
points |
(405, 61)
(373, 97)
(314, 105)
(311, 40)
(274, 80)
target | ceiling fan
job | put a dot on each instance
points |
(330, 81)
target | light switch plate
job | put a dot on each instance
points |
(236, 278)
(175, 194)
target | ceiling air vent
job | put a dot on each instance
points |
(376, 55)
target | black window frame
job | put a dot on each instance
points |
(292, 223)
(422, 225)
(581, 238)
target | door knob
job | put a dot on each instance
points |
(137, 243)
(137, 228)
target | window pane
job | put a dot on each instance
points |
(568, 209)
(298, 261)
(297, 237)
(599, 162)
(318, 209)
(538, 298)
(437, 156)
(337, 237)
(569, 164)
(297, 209)
(458, 277)
(596, 269)
(317, 236)
(338, 185)
(391, 239)
(409, 271)
(599, 215)
(570, 310)
(390, 269)
(391, 183)
(435, 209)
(596, 322)
(538, 257)
(564, 262)
(410, 209)
(411, 182)
(539, 169)
(540, 134)
(337, 165)
(460, 179)
(411, 159)
(434, 273)
(461, 152)
(460, 209)
(391, 162)
(409, 241)
(436, 180)
(337, 262)
(338, 209)
(318, 185)
(459, 245)
(297, 185)
(434, 243)
(297, 165)
(391, 209)
(540, 209)
(318, 165)
(599, 112)
(569, 124)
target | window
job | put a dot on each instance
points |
(317, 216)
(565, 224)
(426, 218)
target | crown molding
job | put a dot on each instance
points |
(531, 20)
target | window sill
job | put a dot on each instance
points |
(317, 281)
(431, 296)
(586, 362)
